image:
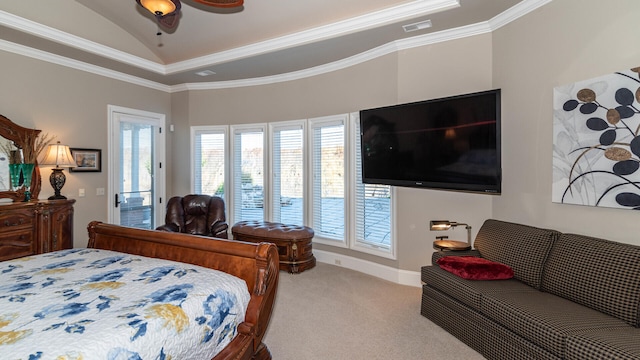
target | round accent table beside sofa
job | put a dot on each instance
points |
(293, 242)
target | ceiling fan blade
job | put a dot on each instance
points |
(221, 3)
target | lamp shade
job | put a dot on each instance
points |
(438, 225)
(160, 7)
(58, 155)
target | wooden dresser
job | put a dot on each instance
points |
(35, 227)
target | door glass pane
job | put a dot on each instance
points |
(136, 169)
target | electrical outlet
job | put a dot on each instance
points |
(337, 262)
(80, 192)
(100, 191)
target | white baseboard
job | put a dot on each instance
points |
(398, 276)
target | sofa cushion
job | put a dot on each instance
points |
(597, 273)
(618, 344)
(469, 292)
(475, 268)
(523, 248)
(544, 319)
(440, 254)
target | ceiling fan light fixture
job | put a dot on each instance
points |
(160, 8)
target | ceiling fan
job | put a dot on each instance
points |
(167, 11)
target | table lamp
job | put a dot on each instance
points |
(60, 156)
(439, 225)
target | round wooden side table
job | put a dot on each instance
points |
(450, 245)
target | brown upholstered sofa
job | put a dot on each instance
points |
(572, 296)
(196, 215)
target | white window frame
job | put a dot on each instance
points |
(281, 126)
(342, 119)
(213, 129)
(355, 243)
(231, 204)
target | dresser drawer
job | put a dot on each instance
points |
(10, 220)
(14, 244)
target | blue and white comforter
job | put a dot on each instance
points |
(97, 304)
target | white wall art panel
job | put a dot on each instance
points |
(596, 141)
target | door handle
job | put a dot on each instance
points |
(117, 201)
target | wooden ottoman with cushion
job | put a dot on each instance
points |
(293, 242)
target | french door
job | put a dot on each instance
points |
(136, 176)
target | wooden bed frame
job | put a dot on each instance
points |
(257, 264)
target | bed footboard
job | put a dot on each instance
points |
(256, 264)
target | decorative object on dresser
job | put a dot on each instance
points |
(441, 244)
(20, 144)
(293, 242)
(60, 156)
(35, 227)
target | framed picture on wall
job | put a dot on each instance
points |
(87, 160)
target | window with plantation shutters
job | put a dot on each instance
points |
(248, 174)
(209, 159)
(302, 172)
(328, 178)
(372, 206)
(287, 169)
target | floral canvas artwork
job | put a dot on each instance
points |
(596, 141)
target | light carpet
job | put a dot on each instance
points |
(330, 312)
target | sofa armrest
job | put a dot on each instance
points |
(438, 254)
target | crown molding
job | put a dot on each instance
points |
(495, 23)
(79, 65)
(394, 14)
(515, 12)
(405, 44)
(367, 21)
(61, 37)
(377, 18)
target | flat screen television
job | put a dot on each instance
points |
(450, 143)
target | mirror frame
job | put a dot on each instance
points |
(16, 133)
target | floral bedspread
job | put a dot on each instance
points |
(97, 304)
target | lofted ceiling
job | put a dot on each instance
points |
(262, 39)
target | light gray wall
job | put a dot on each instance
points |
(72, 105)
(563, 42)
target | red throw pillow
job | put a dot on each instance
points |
(475, 268)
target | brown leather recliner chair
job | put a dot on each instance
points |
(196, 215)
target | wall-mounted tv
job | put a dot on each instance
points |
(449, 143)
